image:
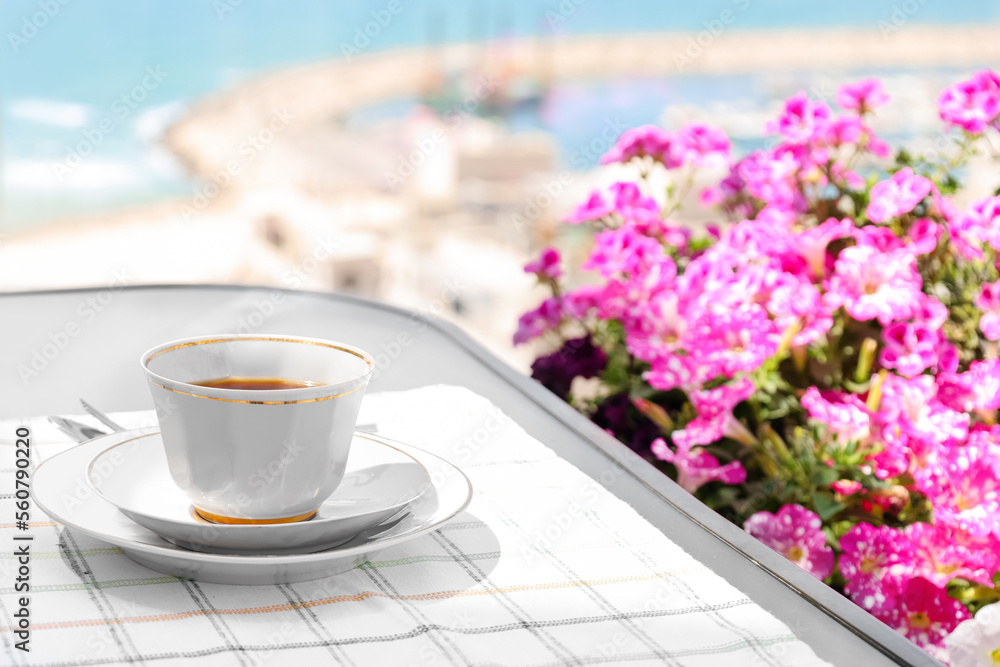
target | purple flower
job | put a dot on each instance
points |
(579, 357)
(898, 195)
(597, 206)
(797, 534)
(972, 105)
(619, 416)
(546, 267)
(862, 96)
(535, 322)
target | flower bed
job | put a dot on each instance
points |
(821, 368)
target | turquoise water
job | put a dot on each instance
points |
(64, 70)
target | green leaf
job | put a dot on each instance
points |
(825, 505)
(824, 476)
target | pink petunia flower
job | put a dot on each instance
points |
(873, 285)
(941, 554)
(535, 322)
(583, 301)
(988, 301)
(645, 141)
(811, 243)
(910, 348)
(898, 195)
(972, 105)
(734, 340)
(923, 236)
(715, 418)
(703, 145)
(846, 487)
(797, 534)
(844, 414)
(625, 252)
(862, 96)
(964, 488)
(696, 467)
(924, 613)
(801, 120)
(546, 267)
(976, 389)
(869, 554)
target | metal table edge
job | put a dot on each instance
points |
(859, 622)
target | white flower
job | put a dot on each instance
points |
(976, 642)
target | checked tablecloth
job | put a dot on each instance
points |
(545, 568)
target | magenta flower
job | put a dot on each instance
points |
(968, 231)
(898, 195)
(972, 105)
(801, 120)
(535, 322)
(873, 285)
(734, 340)
(771, 178)
(625, 252)
(703, 145)
(912, 409)
(644, 141)
(882, 239)
(869, 555)
(964, 488)
(862, 96)
(844, 414)
(696, 467)
(843, 130)
(715, 418)
(846, 487)
(924, 613)
(988, 301)
(811, 243)
(583, 301)
(923, 236)
(910, 348)
(597, 206)
(942, 553)
(797, 534)
(546, 267)
(976, 389)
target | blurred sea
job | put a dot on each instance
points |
(66, 65)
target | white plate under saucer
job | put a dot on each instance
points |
(60, 489)
(380, 481)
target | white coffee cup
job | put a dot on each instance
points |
(257, 455)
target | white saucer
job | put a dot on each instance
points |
(380, 481)
(60, 489)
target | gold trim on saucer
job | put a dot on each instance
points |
(215, 518)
